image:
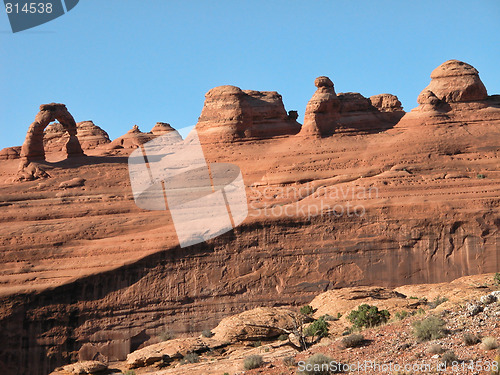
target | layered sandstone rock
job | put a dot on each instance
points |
(455, 94)
(322, 111)
(10, 153)
(230, 113)
(328, 113)
(132, 139)
(33, 149)
(89, 135)
(162, 128)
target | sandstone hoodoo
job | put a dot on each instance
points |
(33, 150)
(230, 113)
(323, 110)
(89, 135)
(328, 113)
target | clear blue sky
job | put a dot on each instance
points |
(126, 62)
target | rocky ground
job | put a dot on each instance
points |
(469, 305)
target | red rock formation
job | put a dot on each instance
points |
(328, 113)
(230, 113)
(161, 128)
(9, 153)
(132, 139)
(32, 149)
(89, 135)
(322, 111)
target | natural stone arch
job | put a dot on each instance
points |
(32, 149)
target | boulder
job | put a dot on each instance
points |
(230, 113)
(86, 367)
(166, 350)
(257, 324)
(456, 81)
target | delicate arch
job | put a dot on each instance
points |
(32, 149)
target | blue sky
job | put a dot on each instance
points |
(126, 62)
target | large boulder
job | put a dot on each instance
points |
(455, 81)
(86, 367)
(166, 350)
(257, 324)
(230, 113)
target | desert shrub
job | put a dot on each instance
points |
(207, 333)
(400, 315)
(435, 349)
(253, 361)
(166, 335)
(413, 297)
(480, 175)
(489, 343)
(129, 372)
(226, 373)
(420, 311)
(328, 318)
(431, 328)
(368, 316)
(471, 339)
(191, 358)
(496, 278)
(283, 337)
(448, 358)
(256, 344)
(318, 364)
(318, 328)
(289, 361)
(437, 301)
(307, 310)
(353, 341)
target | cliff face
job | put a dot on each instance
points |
(85, 273)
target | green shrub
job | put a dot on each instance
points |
(166, 335)
(437, 301)
(129, 372)
(400, 315)
(226, 373)
(191, 358)
(329, 318)
(480, 175)
(318, 364)
(318, 328)
(471, 339)
(289, 361)
(253, 361)
(431, 328)
(353, 341)
(207, 333)
(256, 344)
(496, 278)
(283, 337)
(489, 343)
(435, 349)
(448, 358)
(307, 310)
(368, 316)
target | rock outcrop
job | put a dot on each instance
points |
(257, 324)
(89, 135)
(10, 153)
(328, 113)
(230, 113)
(322, 111)
(33, 148)
(161, 128)
(132, 139)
